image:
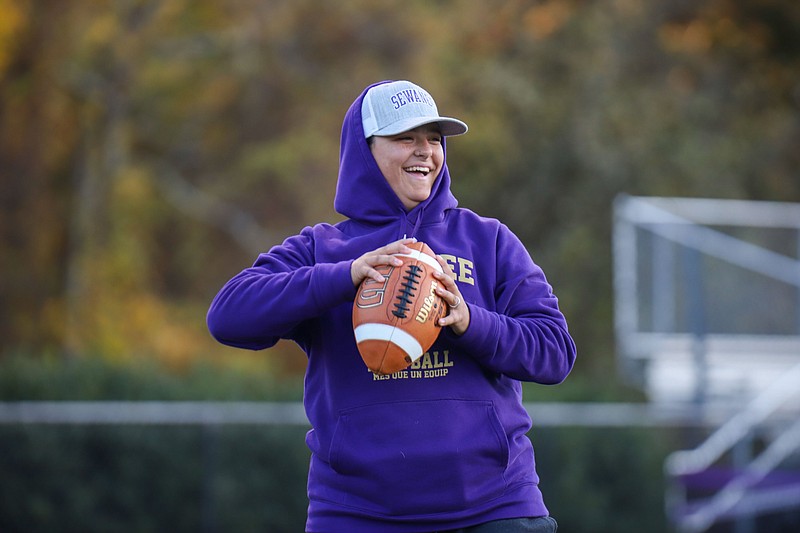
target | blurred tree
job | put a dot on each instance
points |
(37, 137)
(149, 150)
(572, 102)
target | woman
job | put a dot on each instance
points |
(441, 445)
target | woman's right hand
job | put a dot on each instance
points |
(364, 266)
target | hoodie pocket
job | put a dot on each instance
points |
(420, 457)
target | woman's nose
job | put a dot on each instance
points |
(423, 149)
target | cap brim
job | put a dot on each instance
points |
(447, 125)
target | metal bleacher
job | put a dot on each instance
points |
(707, 314)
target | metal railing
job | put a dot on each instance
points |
(723, 440)
(680, 268)
(544, 414)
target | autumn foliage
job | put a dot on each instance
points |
(150, 150)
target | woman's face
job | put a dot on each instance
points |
(410, 161)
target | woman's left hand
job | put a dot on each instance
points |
(458, 316)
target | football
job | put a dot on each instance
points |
(397, 320)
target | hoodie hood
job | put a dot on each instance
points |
(364, 195)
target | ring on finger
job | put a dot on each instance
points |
(457, 303)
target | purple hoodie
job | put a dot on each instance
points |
(443, 444)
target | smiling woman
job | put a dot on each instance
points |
(443, 445)
(410, 162)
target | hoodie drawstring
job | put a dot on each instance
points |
(417, 223)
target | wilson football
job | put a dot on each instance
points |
(397, 320)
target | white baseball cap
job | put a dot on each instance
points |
(398, 106)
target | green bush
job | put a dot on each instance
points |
(603, 480)
(153, 478)
(64, 478)
(96, 379)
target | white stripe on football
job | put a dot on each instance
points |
(419, 255)
(385, 332)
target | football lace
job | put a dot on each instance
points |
(406, 296)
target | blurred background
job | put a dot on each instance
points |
(149, 150)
